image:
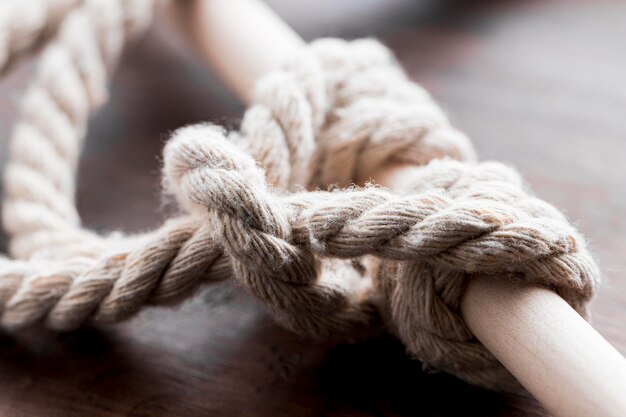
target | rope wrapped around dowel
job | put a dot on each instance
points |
(347, 261)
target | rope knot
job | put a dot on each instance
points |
(486, 224)
(212, 177)
(209, 174)
(336, 261)
(340, 262)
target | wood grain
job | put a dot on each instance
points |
(535, 84)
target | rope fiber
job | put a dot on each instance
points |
(274, 205)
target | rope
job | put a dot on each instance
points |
(338, 260)
(22, 27)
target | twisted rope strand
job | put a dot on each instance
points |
(25, 24)
(70, 83)
(472, 232)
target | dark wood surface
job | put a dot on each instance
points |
(537, 84)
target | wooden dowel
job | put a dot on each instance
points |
(552, 351)
(241, 39)
(549, 348)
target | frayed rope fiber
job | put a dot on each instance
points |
(345, 262)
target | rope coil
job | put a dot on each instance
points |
(347, 261)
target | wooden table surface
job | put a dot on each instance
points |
(537, 84)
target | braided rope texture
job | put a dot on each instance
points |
(273, 205)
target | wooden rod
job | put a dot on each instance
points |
(240, 39)
(549, 348)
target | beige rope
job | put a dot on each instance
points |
(70, 83)
(343, 262)
(39, 182)
(24, 24)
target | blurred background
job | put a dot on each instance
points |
(536, 84)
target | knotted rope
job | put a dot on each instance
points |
(347, 261)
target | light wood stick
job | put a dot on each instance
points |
(242, 39)
(549, 348)
(556, 354)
